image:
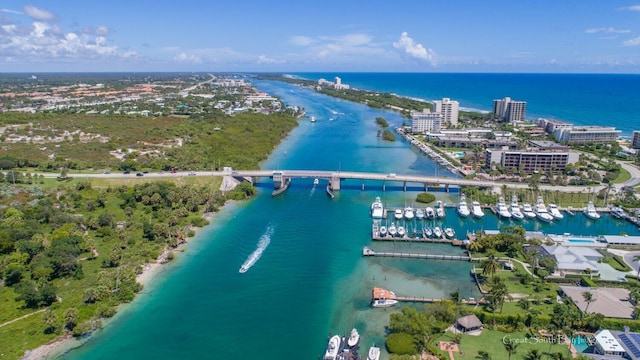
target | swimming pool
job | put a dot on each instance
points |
(581, 344)
(581, 241)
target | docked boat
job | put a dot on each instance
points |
(408, 213)
(354, 338)
(502, 209)
(514, 209)
(428, 231)
(430, 213)
(590, 211)
(541, 211)
(377, 210)
(476, 210)
(316, 181)
(463, 209)
(419, 214)
(398, 214)
(527, 210)
(374, 353)
(382, 231)
(437, 232)
(333, 347)
(440, 209)
(392, 230)
(383, 303)
(618, 213)
(401, 231)
(555, 212)
(449, 233)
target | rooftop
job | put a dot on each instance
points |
(610, 302)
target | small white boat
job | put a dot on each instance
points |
(590, 211)
(408, 213)
(430, 213)
(463, 209)
(401, 231)
(419, 214)
(541, 211)
(440, 209)
(437, 232)
(374, 353)
(449, 233)
(377, 210)
(398, 214)
(313, 119)
(428, 231)
(618, 213)
(382, 231)
(527, 210)
(502, 209)
(514, 209)
(476, 210)
(354, 338)
(333, 347)
(382, 303)
(392, 230)
(316, 181)
(555, 212)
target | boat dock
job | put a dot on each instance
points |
(366, 251)
(379, 293)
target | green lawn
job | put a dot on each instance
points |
(622, 177)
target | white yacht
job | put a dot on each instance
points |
(449, 233)
(401, 231)
(419, 214)
(514, 208)
(374, 353)
(541, 211)
(333, 347)
(380, 303)
(527, 210)
(440, 209)
(502, 209)
(463, 209)
(476, 210)
(428, 232)
(555, 212)
(590, 211)
(354, 338)
(377, 210)
(392, 230)
(313, 119)
(382, 231)
(316, 181)
(408, 213)
(398, 214)
(430, 213)
(437, 232)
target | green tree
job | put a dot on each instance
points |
(483, 355)
(490, 266)
(533, 354)
(511, 348)
(50, 319)
(588, 297)
(70, 318)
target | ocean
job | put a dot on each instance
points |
(305, 274)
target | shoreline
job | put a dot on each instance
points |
(150, 272)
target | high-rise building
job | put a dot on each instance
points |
(587, 134)
(509, 110)
(426, 120)
(448, 109)
(635, 140)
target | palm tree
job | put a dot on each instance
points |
(533, 354)
(588, 297)
(490, 266)
(455, 297)
(474, 246)
(511, 348)
(483, 355)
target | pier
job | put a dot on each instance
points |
(380, 293)
(369, 252)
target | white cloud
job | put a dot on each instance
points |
(607, 30)
(632, 42)
(102, 30)
(10, 11)
(301, 40)
(630, 8)
(187, 58)
(263, 59)
(407, 46)
(38, 14)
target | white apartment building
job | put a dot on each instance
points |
(449, 110)
(509, 110)
(426, 121)
(586, 134)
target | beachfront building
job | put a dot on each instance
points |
(586, 134)
(337, 84)
(449, 110)
(530, 161)
(551, 125)
(425, 121)
(635, 140)
(610, 302)
(509, 110)
(573, 259)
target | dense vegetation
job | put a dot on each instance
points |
(388, 135)
(382, 122)
(425, 198)
(379, 100)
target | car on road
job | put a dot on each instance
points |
(107, 172)
(192, 173)
(126, 172)
(139, 174)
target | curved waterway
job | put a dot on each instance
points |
(306, 276)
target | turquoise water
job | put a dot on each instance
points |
(584, 241)
(581, 345)
(310, 279)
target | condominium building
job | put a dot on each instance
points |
(530, 161)
(635, 140)
(425, 121)
(586, 134)
(551, 125)
(509, 110)
(449, 110)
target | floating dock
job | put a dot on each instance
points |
(380, 293)
(369, 252)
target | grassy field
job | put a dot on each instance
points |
(622, 177)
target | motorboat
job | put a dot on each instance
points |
(333, 347)
(430, 213)
(398, 214)
(382, 231)
(514, 209)
(437, 232)
(476, 210)
(316, 181)
(428, 231)
(383, 303)
(463, 209)
(374, 353)
(541, 211)
(354, 338)
(590, 211)
(377, 210)
(449, 233)
(502, 209)
(401, 231)
(313, 119)
(555, 212)
(408, 213)
(392, 230)
(527, 210)
(618, 213)
(419, 214)
(440, 209)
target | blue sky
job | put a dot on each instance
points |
(591, 36)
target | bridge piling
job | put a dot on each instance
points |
(362, 186)
(404, 186)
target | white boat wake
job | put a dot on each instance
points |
(265, 239)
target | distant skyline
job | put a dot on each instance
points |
(567, 36)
